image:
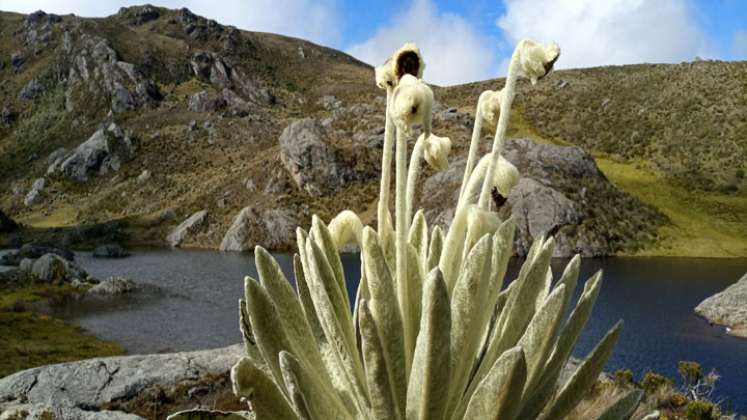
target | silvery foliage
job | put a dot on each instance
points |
(434, 332)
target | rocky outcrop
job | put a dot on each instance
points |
(728, 307)
(138, 15)
(273, 229)
(51, 268)
(215, 69)
(7, 225)
(113, 286)
(113, 382)
(32, 252)
(106, 150)
(35, 193)
(110, 251)
(315, 165)
(561, 193)
(186, 228)
(32, 90)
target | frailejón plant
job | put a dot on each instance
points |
(433, 333)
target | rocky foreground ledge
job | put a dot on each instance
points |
(728, 307)
(151, 386)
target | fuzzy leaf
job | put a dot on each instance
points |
(418, 238)
(427, 392)
(434, 248)
(414, 296)
(584, 377)
(304, 295)
(323, 237)
(380, 375)
(469, 317)
(624, 407)
(385, 310)
(289, 309)
(495, 397)
(251, 382)
(311, 399)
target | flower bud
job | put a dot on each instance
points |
(536, 60)
(436, 151)
(489, 107)
(411, 102)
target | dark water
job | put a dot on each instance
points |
(190, 302)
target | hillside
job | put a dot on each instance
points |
(136, 121)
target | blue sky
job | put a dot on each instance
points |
(464, 41)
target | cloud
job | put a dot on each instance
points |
(594, 33)
(739, 45)
(315, 20)
(453, 51)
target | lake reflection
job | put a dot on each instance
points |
(190, 302)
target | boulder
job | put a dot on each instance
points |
(34, 251)
(315, 165)
(113, 286)
(122, 100)
(187, 227)
(540, 210)
(728, 308)
(107, 149)
(104, 383)
(144, 176)
(49, 268)
(204, 102)
(7, 225)
(272, 229)
(7, 116)
(32, 90)
(110, 251)
(35, 193)
(561, 192)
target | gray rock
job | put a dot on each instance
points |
(50, 411)
(96, 382)
(122, 100)
(49, 268)
(329, 102)
(16, 60)
(56, 155)
(35, 193)
(315, 165)
(540, 210)
(272, 229)
(186, 228)
(204, 102)
(561, 192)
(110, 251)
(33, 251)
(26, 265)
(32, 90)
(138, 15)
(728, 307)
(105, 150)
(113, 286)
(144, 176)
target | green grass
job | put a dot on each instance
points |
(703, 224)
(31, 339)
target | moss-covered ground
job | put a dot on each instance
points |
(29, 339)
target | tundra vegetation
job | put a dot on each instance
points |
(433, 333)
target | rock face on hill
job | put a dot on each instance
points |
(559, 193)
(129, 384)
(153, 110)
(728, 308)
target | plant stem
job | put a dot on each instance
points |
(386, 168)
(473, 145)
(412, 176)
(401, 239)
(500, 131)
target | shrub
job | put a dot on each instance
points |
(691, 372)
(624, 377)
(700, 410)
(652, 381)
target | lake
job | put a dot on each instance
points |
(190, 301)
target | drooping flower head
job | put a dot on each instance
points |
(411, 102)
(536, 60)
(489, 106)
(436, 151)
(406, 60)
